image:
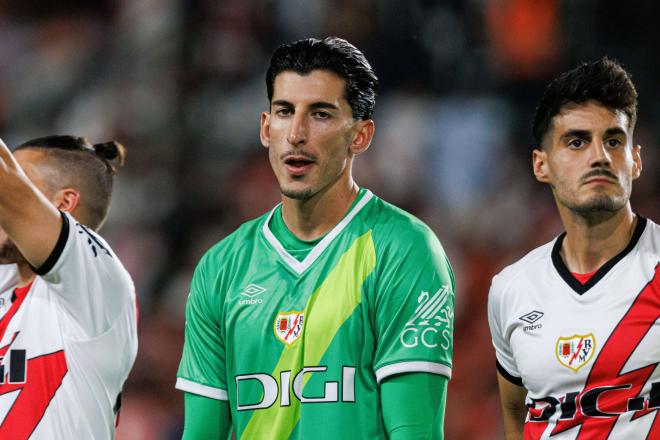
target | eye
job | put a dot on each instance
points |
(576, 143)
(321, 115)
(612, 143)
(283, 111)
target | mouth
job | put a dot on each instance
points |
(600, 177)
(298, 165)
(600, 181)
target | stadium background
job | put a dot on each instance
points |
(180, 83)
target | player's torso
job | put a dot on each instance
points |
(41, 396)
(589, 360)
(300, 345)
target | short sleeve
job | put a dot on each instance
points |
(414, 310)
(506, 363)
(202, 368)
(88, 280)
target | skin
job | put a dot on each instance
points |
(589, 161)
(30, 223)
(312, 139)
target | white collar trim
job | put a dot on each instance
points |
(300, 266)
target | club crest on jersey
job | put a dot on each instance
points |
(575, 351)
(289, 326)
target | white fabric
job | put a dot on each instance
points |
(527, 345)
(412, 367)
(203, 390)
(84, 311)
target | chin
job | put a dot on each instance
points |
(298, 194)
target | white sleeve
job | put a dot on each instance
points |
(506, 363)
(88, 279)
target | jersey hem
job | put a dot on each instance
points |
(508, 376)
(56, 253)
(412, 367)
(202, 390)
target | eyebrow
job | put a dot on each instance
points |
(615, 131)
(586, 134)
(314, 105)
(576, 133)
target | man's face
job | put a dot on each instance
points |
(29, 162)
(588, 158)
(309, 132)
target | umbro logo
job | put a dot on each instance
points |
(531, 318)
(252, 290)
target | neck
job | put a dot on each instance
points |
(591, 240)
(311, 218)
(25, 274)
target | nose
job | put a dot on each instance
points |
(297, 134)
(600, 155)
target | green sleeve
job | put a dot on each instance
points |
(206, 419)
(414, 305)
(418, 418)
(202, 367)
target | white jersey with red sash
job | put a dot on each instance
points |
(587, 353)
(67, 341)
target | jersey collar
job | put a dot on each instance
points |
(576, 285)
(301, 266)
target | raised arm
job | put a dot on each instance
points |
(26, 215)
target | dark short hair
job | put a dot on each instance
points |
(604, 81)
(89, 168)
(335, 55)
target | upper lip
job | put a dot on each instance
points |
(305, 158)
(599, 175)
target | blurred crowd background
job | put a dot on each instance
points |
(181, 84)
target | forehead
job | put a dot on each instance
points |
(316, 86)
(590, 116)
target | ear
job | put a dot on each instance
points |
(264, 133)
(363, 136)
(540, 165)
(637, 161)
(67, 199)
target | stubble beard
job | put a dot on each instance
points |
(303, 195)
(597, 208)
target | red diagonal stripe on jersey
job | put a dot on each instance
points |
(21, 294)
(45, 375)
(606, 370)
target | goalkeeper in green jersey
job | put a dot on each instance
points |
(331, 316)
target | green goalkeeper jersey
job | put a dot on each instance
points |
(298, 346)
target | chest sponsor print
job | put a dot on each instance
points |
(574, 352)
(288, 326)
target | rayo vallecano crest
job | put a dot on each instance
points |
(289, 326)
(575, 351)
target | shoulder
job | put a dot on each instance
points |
(239, 242)
(395, 228)
(650, 239)
(528, 267)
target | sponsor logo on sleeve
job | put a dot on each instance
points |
(575, 351)
(431, 323)
(288, 326)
